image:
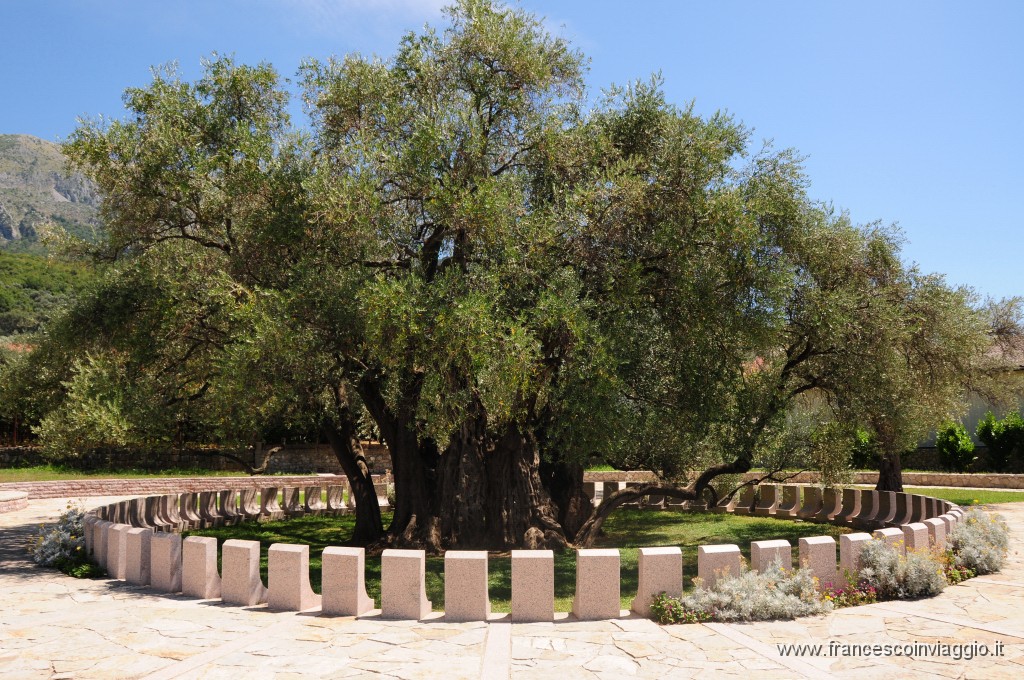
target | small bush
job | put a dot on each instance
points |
(776, 594)
(62, 546)
(893, 575)
(853, 593)
(955, 448)
(667, 609)
(864, 453)
(980, 542)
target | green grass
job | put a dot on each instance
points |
(51, 473)
(626, 529)
(966, 497)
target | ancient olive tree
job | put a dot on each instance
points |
(500, 282)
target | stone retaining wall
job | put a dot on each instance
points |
(82, 488)
(13, 500)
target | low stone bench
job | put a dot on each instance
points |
(343, 582)
(765, 553)
(660, 571)
(533, 585)
(767, 500)
(288, 586)
(199, 577)
(717, 561)
(812, 503)
(403, 593)
(241, 583)
(598, 582)
(13, 500)
(790, 503)
(466, 595)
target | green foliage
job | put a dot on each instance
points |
(853, 593)
(864, 453)
(775, 594)
(955, 448)
(1004, 438)
(34, 288)
(980, 542)
(895, 575)
(666, 610)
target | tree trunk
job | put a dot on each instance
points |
(564, 483)
(520, 513)
(890, 473)
(462, 488)
(349, 452)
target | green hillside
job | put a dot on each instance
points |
(32, 287)
(36, 190)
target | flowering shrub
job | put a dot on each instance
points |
(979, 542)
(777, 593)
(852, 593)
(62, 546)
(667, 609)
(893, 575)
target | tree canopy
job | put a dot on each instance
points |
(502, 281)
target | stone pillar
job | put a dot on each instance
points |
(661, 571)
(790, 503)
(919, 508)
(288, 586)
(314, 504)
(717, 561)
(812, 503)
(765, 553)
(597, 585)
(240, 569)
(403, 592)
(189, 512)
(818, 553)
(831, 504)
(230, 512)
(336, 499)
(767, 500)
(343, 582)
(865, 519)
(137, 541)
(533, 585)
(886, 508)
(465, 586)
(165, 562)
(199, 576)
(269, 507)
(915, 536)
(208, 512)
(850, 507)
(101, 534)
(893, 536)
(936, 532)
(850, 546)
(249, 503)
(116, 551)
(746, 501)
(903, 509)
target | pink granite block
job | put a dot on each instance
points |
(893, 536)
(812, 503)
(269, 507)
(936, 532)
(165, 562)
(290, 501)
(850, 507)
(767, 500)
(850, 546)
(189, 510)
(947, 519)
(336, 499)
(818, 553)
(831, 504)
(746, 500)
(717, 561)
(466, 595)
(88, 525)
(403, 592)
(249, 503)
(660, 571)
(790, 503)
(915, 536)
(240, 573)
(314, 502)
(137, 555)
(199, 576)
(116, 551)
(230, 512)
(765, 553)
(597, 585)
(904, 509)
(101, 535)
(919, 506)
(886, 508)
(343, 582)
(288, 586)
(533, 585)
(865, 519)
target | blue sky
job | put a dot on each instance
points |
(907, 112)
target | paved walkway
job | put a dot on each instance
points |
(53, 626)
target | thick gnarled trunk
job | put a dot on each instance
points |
(890, 473)
(347, 449)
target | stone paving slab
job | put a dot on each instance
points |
(54, 626)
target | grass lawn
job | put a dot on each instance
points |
(53, 473)
(968, 497)
(626, 529)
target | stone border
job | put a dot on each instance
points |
(121, 537)
(13, 500)
(82, 488)
(948, 479)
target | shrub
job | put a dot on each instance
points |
(955, 448)
(893, 575)
(62, 546)
(775, 594)
(864, 453)
(1004, 438)
(667, 609)
(853, 593)
(980, 542)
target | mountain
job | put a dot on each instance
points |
(35, 189)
